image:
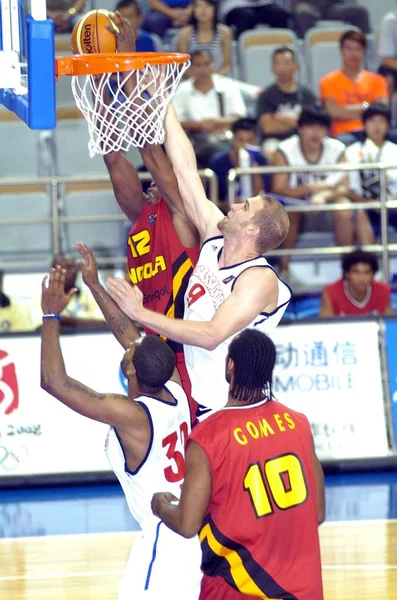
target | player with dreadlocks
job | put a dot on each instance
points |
(250, 460)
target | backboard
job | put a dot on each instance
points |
(27, 62)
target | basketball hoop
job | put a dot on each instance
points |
(123, 96)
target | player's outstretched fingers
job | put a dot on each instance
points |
(44, 285)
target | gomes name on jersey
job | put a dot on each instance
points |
(263, 428)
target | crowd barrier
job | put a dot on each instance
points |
(342, 374)
(383, 205)
(54, 186)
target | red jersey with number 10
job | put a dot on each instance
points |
(260, 533)
(158, 262)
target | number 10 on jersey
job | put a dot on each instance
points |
(283, 476)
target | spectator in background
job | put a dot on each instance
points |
(64, 13)
(357, 293)
(280, 104)
(365, 185)
(244, 136)
(306, 13)
(243, 15)
(14, 316)
(130, 10)
(387, 50)
(207, 105)
(347, 92)
(312, 147)
(164, 14)
(205, 33)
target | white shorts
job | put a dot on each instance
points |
(162, 564)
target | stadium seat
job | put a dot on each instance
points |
(377, 10)
(72, 145)
(255, 51)
(28, 242)
(18, 148)
(106, 238)
(321, 51)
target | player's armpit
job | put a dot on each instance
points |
(113, 409)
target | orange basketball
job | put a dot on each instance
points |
(90, 36)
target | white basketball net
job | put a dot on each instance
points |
(126, 109)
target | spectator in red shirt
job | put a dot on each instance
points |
(357, 293)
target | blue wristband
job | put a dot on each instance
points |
(52, 316)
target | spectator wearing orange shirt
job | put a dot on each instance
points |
(346, 93)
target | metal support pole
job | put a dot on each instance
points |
(384, 226)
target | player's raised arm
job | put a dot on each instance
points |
(186, 518)
(122, 327)
(204, 214)
(112, 409)
(157, 163)
(126, 184)
(255, 292)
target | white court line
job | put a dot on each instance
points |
(70, 535)
(358, 522)
(137, 531)
(120, 573)
(61, 575)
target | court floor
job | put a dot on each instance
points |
(73, 543)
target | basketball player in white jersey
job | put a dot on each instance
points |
(312, 146)
(145, 447)
(232, 286)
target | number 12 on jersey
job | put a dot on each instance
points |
(285, 480)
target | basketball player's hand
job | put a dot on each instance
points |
(125, 36)
(128, 297)
(161, 498)
(54, 298)
(88, 266)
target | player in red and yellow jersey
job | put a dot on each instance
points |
(163, 244)
(253, 489)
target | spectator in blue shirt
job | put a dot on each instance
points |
(131, 11)
(244, 136)
(166, 14)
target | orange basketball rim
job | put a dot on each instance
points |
(97, 64)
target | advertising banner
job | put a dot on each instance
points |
(332, 374)
(38, 434)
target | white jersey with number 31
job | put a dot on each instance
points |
(209, 286)
(162, 563)
(163, 468)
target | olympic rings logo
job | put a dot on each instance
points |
(10, 459)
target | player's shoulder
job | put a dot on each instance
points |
(204, 431)
(293, 417)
